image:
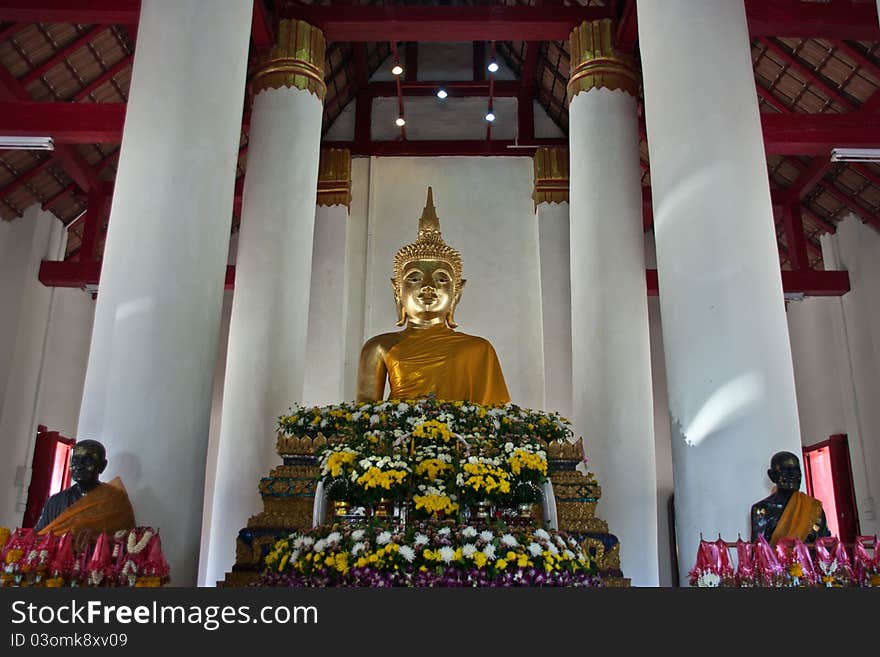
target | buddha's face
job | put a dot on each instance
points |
(787, 474)
(86, 463)
(427, 291)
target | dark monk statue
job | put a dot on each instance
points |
(786, 512)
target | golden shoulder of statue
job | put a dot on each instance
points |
(428, 356)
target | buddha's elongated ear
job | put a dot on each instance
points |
(401, 313)
(450, 316)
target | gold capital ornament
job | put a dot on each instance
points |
(596, 64)
(296, 60)
(551, 175)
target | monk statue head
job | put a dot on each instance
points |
(427, 280)
(785, 471)
(87, 462)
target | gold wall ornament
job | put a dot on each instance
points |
(596, 64)
(551, 175)
(296, 60)
(334, 177)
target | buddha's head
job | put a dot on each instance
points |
(427, 279)
(785, 471)
(87, 462)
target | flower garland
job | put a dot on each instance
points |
(428, 555)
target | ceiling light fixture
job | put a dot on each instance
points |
(400, 122)
(493, 66)
(397, 69)
(27, 143)
(490, 116)
(855, 154)
(441, 94)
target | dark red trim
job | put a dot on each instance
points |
(417, 148)
(123, 12)
(67, 123)
(809, 282)
(261, 27)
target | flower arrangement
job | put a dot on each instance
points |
(427, 554)
(791, 563)
(126, 558)
(441, 455)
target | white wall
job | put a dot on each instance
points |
(44, 340)
(818, 366)
(486, 212)
(856, 248)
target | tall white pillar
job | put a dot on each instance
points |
(731, 385)
(611, 351)
(552, 214)
(325, 358)
(25, 312)
(148, 386)
(266, 356)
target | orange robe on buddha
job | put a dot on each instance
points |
(104, 509)
(453, 366)
(798, 517)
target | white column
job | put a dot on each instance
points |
(265, 365)
(325, 357)
(148, 386)
(553, 244)
(611, 363)
(25, 307)
(731, 384)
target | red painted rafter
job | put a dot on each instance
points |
(67, 123)
(98, 168)
(11, 30)
(792, 18)
(261, 27)
(627, 26)
(794, 236)
(510, 88)
(123, 12)
(61, 55)
(817, 134)
(450, 23)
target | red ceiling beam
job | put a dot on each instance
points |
(809, 178)
(261, 27)
(425, 148)
(817, 134)
(793, 18)
(508, 88)
(55, 273)
(794, 236)
(67, 123)
(451, 23)
(627, 27)
(77, 168)
(809, 282)
(123, 12)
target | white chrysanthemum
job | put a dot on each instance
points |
(358, 547)
(560, 541)
(489, 551)
(469, 532)
(374, 419)
(509, 540)
(319, 545)
(307, 540)
(333, 538)
(486, 535)
(569, 554)
(407, 553)
(553, 549)
(356, 416)
(534, 549)
(572, 543)
(420, 539)
(447, 554)
(709, 579)
(541, 533)
(469, 549)
(508, 446)
(365, 463)
(357, 534)
(444, 531)
(384, 538)
(299, 541)
(402, 407)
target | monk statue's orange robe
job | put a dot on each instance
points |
(451, 365)
(798, 517)
(104, 509)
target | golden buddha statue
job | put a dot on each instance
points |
(428, 356)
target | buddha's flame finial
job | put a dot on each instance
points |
(429, 222)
